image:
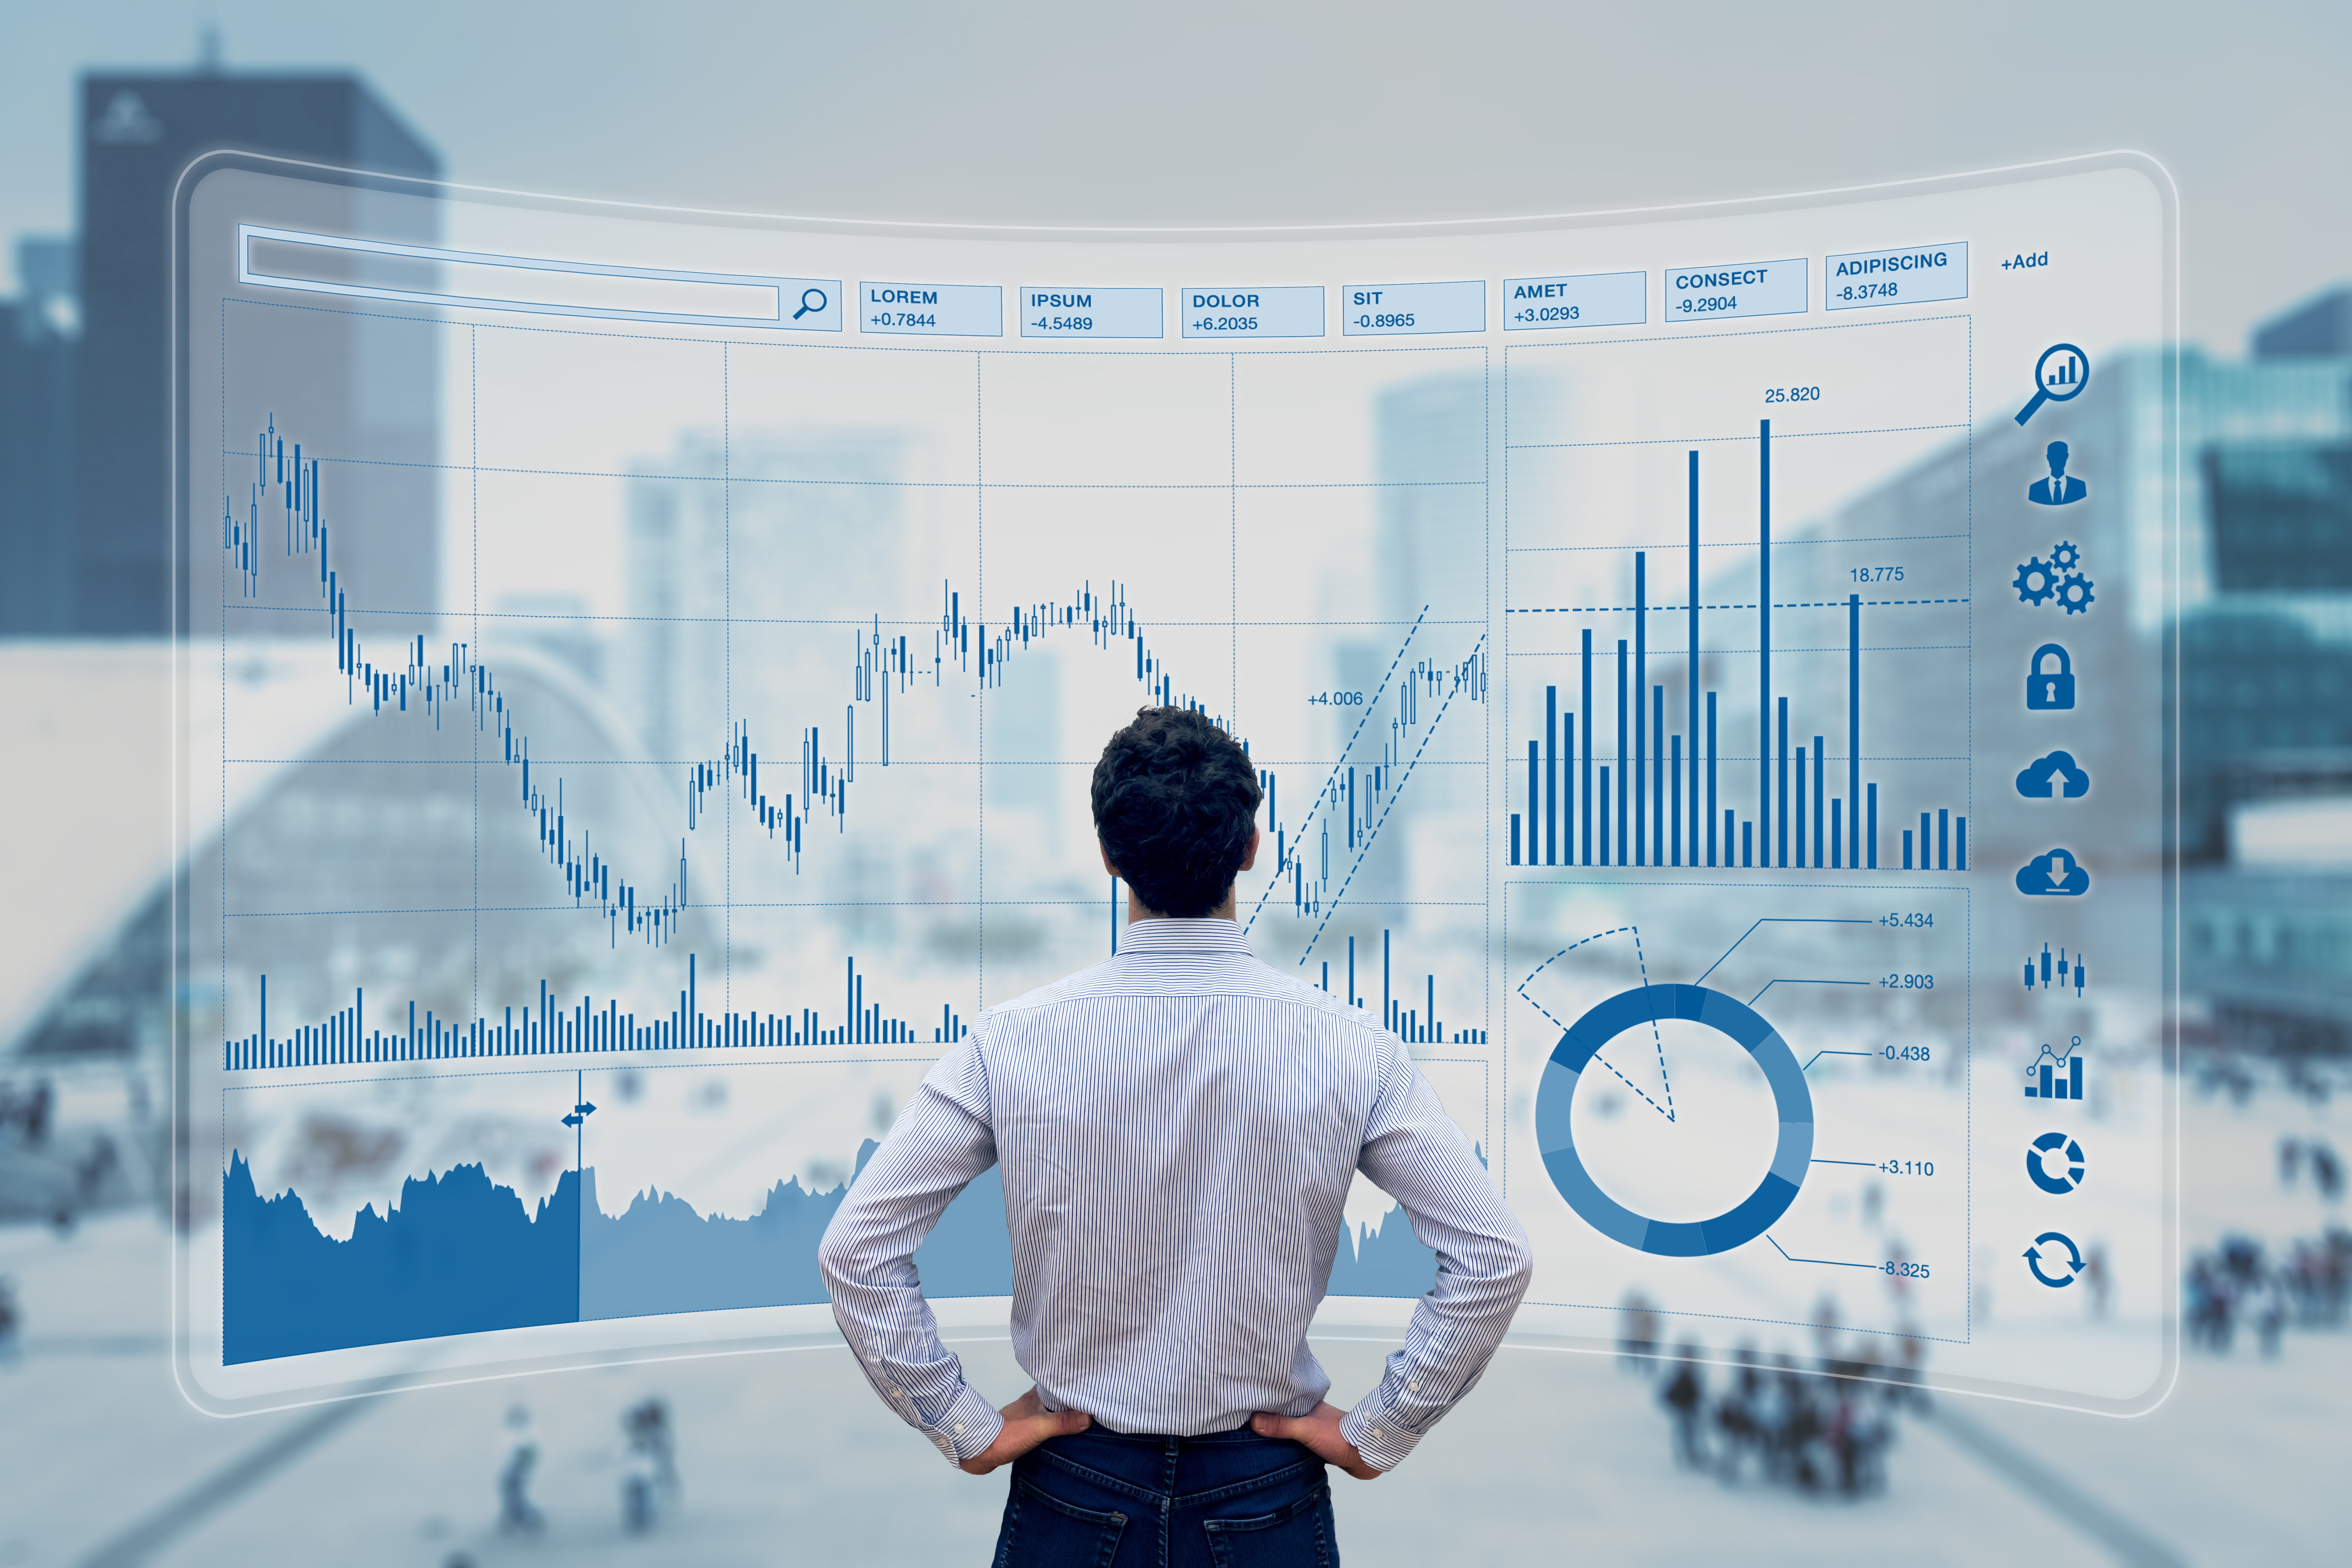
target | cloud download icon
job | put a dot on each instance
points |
(2057, 875)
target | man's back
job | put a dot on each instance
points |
(1178, 1128)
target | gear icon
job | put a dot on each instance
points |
(2074, 593)
(2065, 557)
(2035, 582)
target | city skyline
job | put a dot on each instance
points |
(1234, 137)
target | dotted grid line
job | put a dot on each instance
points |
(1879, 325)
(727, 661)
(786, 904)
(979, 693)
(222, 945)
(1717, 440)
(689, 762)
(1777, 604)
(1668, 1110)
(1486, 740)
(1234, 540)
(636, 1063)
(1502, 1161)
(1344, 753)
(474, 395)
(1403, 778)
(898, 484)
(1788, 648)
(1729, 544)
(1782, 648)
(259, 607)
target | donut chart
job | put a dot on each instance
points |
(1792, 1155)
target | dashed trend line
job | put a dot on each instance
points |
(1778, 604)
(1403, 778)
(1668, 1110)
(1345, 753)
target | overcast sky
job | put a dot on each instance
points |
(1284, 111)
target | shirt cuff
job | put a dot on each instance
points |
(969, 1425)
(1377, 1435)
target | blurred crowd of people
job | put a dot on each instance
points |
(48, 1175)
(1823, 1430)
(2295, 1155)
(2239, 1282)
(649, 1480)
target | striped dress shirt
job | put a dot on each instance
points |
(1178, 1128)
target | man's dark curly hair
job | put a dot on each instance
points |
(1175, 798)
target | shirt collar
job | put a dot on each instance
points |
(1212, 934)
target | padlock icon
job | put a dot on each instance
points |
(2050, 690)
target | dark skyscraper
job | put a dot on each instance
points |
(2316, 327)
(137, 133)
(37, 352)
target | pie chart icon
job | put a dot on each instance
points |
(1793, 1102)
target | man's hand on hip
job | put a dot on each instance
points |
(1027, 1422)
(1319, 1429)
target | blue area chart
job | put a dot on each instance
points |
(1653, 1003)
(459, 1254)
(1389, 1261)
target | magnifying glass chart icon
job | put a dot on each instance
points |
(811, 299)
(2059, 376)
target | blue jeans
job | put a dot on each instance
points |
(1107, 1499)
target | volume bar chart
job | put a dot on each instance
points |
(553, 1027)
(1605, 776)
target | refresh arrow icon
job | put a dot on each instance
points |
(2073, 1259)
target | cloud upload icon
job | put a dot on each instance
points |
(2057, 875)
(2053, 777)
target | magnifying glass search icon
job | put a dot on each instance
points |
(2059, 376)
(814, 299)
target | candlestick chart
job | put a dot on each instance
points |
(616, 893)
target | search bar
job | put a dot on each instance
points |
(484, 280)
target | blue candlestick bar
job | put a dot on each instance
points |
(1344, 817)
(2063, 975)
(884, 666)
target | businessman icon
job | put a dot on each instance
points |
(2061, 486)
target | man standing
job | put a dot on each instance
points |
(1178, 1128)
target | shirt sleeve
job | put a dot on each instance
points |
(1414, 1152)
(942, 1141)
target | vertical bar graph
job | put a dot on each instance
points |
(1632, 813)
(1585, 708)
(1551, 775)
(1641, 685)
